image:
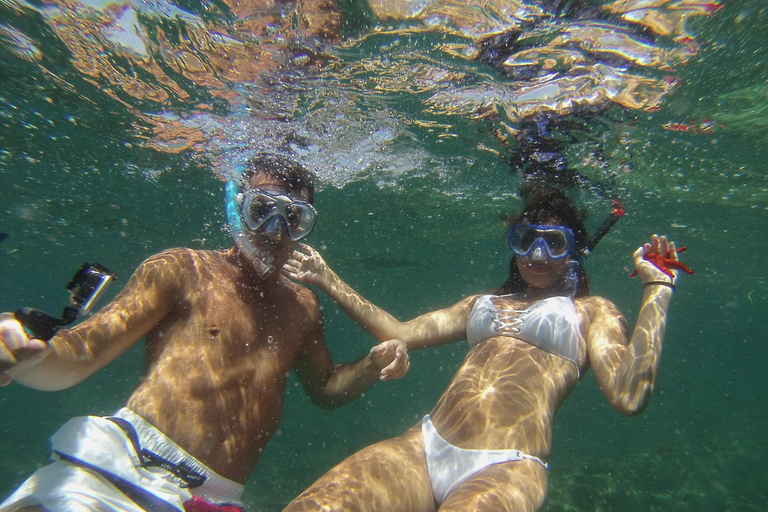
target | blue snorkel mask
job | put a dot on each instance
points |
(549, 241)
(557, 242)
(269, 212)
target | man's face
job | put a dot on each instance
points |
(273, 237)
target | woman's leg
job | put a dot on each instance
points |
(518, 486)
(390, 476)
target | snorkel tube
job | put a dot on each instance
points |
(572, 274)
(261, 262)
(600, 232)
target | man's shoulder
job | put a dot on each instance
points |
(184, 255)
(305, 298)
(179, 263)
(299, 291)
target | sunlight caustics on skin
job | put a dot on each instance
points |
(220, 397)
(366, 479)
(504, 396)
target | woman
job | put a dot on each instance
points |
(485, 444)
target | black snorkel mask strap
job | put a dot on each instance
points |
(600, 232)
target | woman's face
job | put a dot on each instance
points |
(538, 270)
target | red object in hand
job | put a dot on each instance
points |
(197, 504)
(664, 263)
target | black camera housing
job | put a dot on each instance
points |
(86, 287)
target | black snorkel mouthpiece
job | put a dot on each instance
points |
(87, 285)
(603, 229)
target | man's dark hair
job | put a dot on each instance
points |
(295, 176)
(542, 204)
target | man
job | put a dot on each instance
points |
(223, 329)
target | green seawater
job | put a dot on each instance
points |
(419, 228)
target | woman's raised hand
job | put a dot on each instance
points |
(307, 267)
(657, 261)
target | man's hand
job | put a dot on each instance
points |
(306, 267)
(16, 347)
(392, 357)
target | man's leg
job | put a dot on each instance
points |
(390, 476)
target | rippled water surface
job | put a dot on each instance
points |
(121, 119)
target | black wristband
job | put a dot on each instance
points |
(662, 283)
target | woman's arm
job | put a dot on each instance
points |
(431, 329)
(331, 385)
(626, 372)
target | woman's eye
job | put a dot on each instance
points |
(555, 242)
(527, 239)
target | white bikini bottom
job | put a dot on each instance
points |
(450, 465)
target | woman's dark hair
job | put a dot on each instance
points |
(295, 176)
(541, 205)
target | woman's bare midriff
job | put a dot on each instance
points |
(505, 396)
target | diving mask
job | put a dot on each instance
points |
(556, 241)
(258, 206)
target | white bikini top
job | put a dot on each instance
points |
(551, 324)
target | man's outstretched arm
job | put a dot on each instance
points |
(74, 354)
(329, 385)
